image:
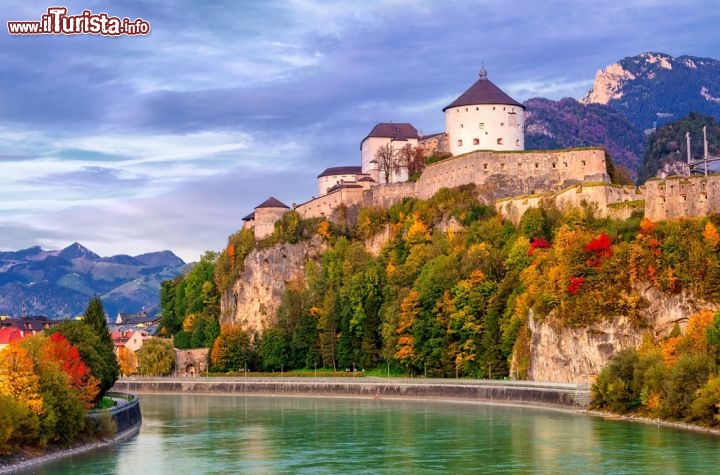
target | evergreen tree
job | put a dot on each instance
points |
(95, 318)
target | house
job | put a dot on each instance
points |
(264, 217)
(9, 335)
(29, 325)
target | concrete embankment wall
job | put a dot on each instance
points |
(506, 392)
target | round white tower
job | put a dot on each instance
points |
(484, 118)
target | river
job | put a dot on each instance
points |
(194, 434)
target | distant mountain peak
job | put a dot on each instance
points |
(77, 251)
(653, 88)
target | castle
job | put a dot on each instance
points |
(484, 134)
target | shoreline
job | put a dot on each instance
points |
(25, 463)
(611, 416)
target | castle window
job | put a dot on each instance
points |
(683, 198)
(582, 162)
(502, 123)
(466, 109)
(537, 166)
(503, 108)
(476, 141)
(703, 197)
(499, 141)
(554, 165)
(477, 108)
(502, 165)
(461, 126)
(485, 166)
(512, 119)
(517, 142)
(459, 143)
(482, 125)
(565, 164)
(493, 107)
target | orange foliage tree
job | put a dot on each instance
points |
(59, 350)
(18, 379)
(127, 361)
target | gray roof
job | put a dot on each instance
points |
(483, 92)
(395, 131)
(272, 202)
(249, 217)
(345, 170)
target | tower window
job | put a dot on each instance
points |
(482, 125)
(517, 142)
(476, 141)
(512, 119)
(477, 108)
(461, 126)
(466, 109)
(459, 143)
(499, 141)
(582, 162)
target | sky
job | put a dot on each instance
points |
(135, 144)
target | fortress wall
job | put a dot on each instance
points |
(514, 173)
(326, 204)
(264, 222)
(604, 198)
(677, 197)
(387, 195)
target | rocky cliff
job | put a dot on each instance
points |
(253, 300)
(576, 355)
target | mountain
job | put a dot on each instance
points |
(652, 89)
(60, 283)
(567, 123)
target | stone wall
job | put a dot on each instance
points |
(191, 362)
(264, 222)
(508, 392)
(504, 174)
(387, 195)
(678, 197)
(324, 206)
(608, 201)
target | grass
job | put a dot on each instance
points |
(105, 403)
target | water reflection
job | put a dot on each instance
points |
(185, 434)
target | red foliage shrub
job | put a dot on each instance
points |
(600, 248)
(575, 284)
(537, 243)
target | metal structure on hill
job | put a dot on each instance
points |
(700, 165)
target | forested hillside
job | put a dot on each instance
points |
(449, 292)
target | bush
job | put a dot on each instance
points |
(18, 425)
(614, 389)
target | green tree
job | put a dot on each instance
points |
(274, 349)
(156, 358)
(96, 319)
(94, 352)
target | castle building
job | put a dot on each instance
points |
(484, 118)
(262, 220)
(333, 176)
(395, 136)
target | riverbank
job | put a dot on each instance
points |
(654, 422)
(556, 395)
(127, 417)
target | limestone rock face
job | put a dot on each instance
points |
(253, 300)
(576, 355)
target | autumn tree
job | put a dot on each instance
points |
(386, 160)
(59, 350)
(413, 158)
(18, 379)
(231, 351)
(156, 358)
(127, 361)
(94, 353)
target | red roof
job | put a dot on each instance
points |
(483, 92)
(8, 335)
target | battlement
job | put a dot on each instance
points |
(680, 197)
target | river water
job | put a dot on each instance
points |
(194, 434)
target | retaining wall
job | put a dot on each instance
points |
(126, 416)
(567, 396)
